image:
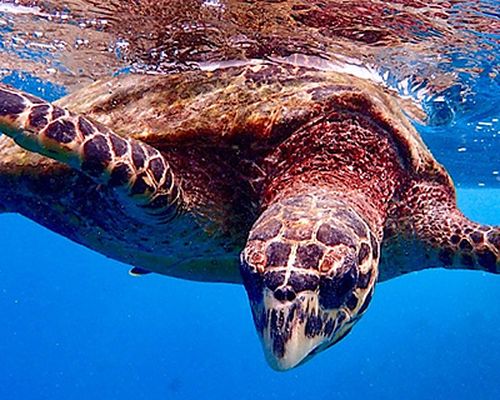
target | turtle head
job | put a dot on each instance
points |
(309, 268)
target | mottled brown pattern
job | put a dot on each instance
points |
(327, 273)
(63, 136)
(432, 232)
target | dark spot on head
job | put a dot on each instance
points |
(291, 314)
(10, 103)
(85, 127)
(314, 325)
(352, 220)
(303, 281)
(140, 185)
(494, 238)
(465, 245)
(446, 256)
(455, 239)
(333, 290)
(120, 175)
(476, 237)
(138, 156)
(487, 259)
(332, 236)
(273, 279)
(364, 251)
(308, 256)
(61, 131)
(38, 116)
(277, 254)
(266, 231)
(157, 167)
(352, 301)
(96, 155)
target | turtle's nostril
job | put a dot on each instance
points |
(284, 294)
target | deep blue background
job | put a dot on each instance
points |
(75, 325)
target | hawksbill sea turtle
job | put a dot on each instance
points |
(307, 186)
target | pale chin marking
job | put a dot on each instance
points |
(294, 331)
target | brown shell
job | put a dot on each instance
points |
(257, 104)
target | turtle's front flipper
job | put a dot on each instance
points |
(427, 230)
(137, 171)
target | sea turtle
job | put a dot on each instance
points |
(307, 186)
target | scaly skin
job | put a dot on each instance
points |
(310, 267)
(320, 171)
(427, 230)
(134, 169)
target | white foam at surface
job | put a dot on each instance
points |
(10, 8)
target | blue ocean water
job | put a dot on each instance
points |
(75, 325)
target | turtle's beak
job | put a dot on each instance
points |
(293, 325)
(286, 333)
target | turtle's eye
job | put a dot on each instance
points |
(253, 281)
(334, 290)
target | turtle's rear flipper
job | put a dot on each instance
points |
(136, 171)
(428, 231)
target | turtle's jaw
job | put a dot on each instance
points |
(293, 331)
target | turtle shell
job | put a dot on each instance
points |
(255, 105)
